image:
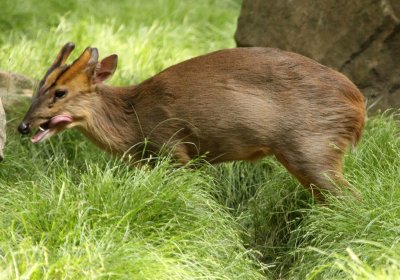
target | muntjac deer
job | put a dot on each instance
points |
(233, 104)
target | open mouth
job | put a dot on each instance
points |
(48, 128)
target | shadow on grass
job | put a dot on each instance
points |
(269, 204)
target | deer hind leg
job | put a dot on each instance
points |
(180, 153)
(300, 175)
(318, 170)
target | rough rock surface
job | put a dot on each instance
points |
(15, 88)
(15, 91)
(2, 130)
(360, 38)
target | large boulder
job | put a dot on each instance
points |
(2, 130)
(360, 38)
(15, 90)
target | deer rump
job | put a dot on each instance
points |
(235, 104)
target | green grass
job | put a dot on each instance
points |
(148, 36)
(69, 211)
(105, 220)
(358, 238)
(297, 239)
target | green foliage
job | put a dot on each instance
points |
(106, 220)
(148, 36)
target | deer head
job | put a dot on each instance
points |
(63, 94)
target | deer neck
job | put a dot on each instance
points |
(111, 122)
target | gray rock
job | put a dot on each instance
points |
(2, 130)
(15, 89)
(360, 38)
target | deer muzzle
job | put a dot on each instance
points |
(24, 128)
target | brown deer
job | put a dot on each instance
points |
(233, 104)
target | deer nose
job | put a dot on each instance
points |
(24, 128)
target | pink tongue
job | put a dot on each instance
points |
(52, 123)
(59, 119)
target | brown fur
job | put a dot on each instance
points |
(234, 104)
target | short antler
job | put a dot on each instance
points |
(90, 55)
(56, 68)
(63, 55)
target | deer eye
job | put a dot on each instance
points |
(60, 93)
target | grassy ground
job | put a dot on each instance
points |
(70, 212)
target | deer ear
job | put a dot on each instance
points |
(106, 68)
